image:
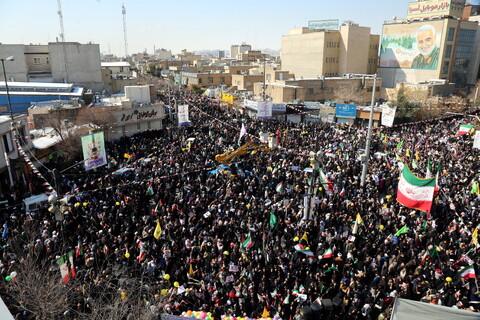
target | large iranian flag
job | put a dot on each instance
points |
(414, 192)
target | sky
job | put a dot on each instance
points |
(181, 24)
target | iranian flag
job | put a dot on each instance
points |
(465, 129)
(279, 187)
(325, 181)
(302, 249)
(468, 272)
(248, 243)
(414, 192)
(64, 271)
(143, 250)
(79, 249)
(328, 254)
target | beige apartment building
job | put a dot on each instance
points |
(314, 53)
(246, 81)
(206, 79)
(318, 89)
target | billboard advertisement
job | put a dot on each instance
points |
(436, 7)
(331, 24)
(413, 46)
(346, 111)
(93, 146)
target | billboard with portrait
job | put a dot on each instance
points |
(413, 46)
(93, 147)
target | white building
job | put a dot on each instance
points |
(47, 63)
(10, 160)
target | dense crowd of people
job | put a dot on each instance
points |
(228, 232)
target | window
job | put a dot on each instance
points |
(445, 66)
(269, 77)
(36, 60)
(199, 80)
(309, 90)
(210, 79)
(451, 33)
(6, 144)
(222, 80)
(448, 51)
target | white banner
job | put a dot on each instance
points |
(183, 115)
(264, 110)
(93, 146)
(388, 115)
(476, 140)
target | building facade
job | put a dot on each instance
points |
(433, 42)
(12, 167)
(319, 89)
(235, 50)
(313, 53)
(117, 75)
(57, 62)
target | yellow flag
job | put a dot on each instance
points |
(127, 156)
(158, 231)
(475, 237)
(190, 271)
(304, 237)
(417, 156)
(359, 218)
(265, 313)
(407, 153)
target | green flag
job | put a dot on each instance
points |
(414, 164)
(399, 145)
(403, 230)
(273, 220)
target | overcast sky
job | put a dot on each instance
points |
(181, 24)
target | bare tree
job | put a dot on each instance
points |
(37, 286)
(350, 93)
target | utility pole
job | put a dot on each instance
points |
(264, 76)
(369, 134)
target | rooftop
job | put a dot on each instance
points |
(116, 64)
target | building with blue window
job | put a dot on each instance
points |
(437, 40)
(23, 94)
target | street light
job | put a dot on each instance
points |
(10, 58)
(369, 134)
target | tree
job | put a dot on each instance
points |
(406, 110)
(154, 70)
(37, 287)
(197, 89)
(350, 93)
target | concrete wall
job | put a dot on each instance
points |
(354, 49)
(17, 68)
(303, 54)
(83, 64)
(310, 54)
